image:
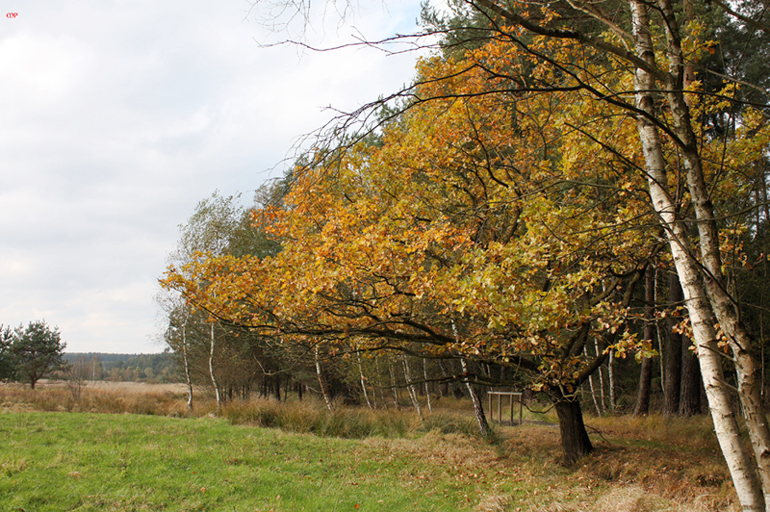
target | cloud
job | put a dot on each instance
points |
(116, 118)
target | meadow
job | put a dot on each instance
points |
(137, 448)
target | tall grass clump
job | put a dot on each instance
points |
(311, 416)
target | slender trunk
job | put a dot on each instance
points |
(393, 386)
(427, 388)
(478, 407)
(591, 387)
(611, 378)
(574, 439)
(321, 384)
(642, 406)
(211, 370)
(363, 382)
(601, 378)
(645, 378)
(741, 469)
(187, 367)
(673, 359)
(410, 387)
(278, 386)
(692, 383)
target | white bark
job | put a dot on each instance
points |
(410, 386)
(363, 381)
(722, 303)
(611, 378)
(591, 386)
(327, 399)
(743, 474)
(187, 366)
(601, 377)
(427, 388)
(478, 407)
(211, 370)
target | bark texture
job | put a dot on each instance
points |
(574, 439)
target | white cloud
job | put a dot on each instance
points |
(117, 117)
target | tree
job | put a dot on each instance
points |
(76, 374)
(37, 350)
(7, 366)
(469, 232)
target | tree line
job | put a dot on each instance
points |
(562, 186)
(150, 368)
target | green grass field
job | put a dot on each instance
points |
(84, 462)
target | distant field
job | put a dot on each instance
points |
(130, 387)
(94, 461)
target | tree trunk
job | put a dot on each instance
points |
(601, 379)
(744, 474)
(673, 360)
(393, 386)
(691, 383)
(211, 370)
(574, 439)
(325, 394)
(611, 379)
(478, 407)
(427, 388)
(187, 367)
(410, 386)
(363, 382)
(645, 377)
(642, 406)
(599, 410)
(277, 387)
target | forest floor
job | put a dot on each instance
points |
(164, 459)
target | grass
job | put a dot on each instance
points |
(89, 462)
(356, 459)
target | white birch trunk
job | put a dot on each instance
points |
(211, 370)
(363, 382)
(187, 366)
(478, 407)
(327, 400)
(591, 386)
(410, 387)
(427, 388)
(393, 386)
(722, 303)
(601, 377)
(611, 378)
(743, 474)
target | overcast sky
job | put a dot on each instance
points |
(118, 116)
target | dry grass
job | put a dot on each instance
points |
(101, 397)
(639, 464)
(650, 464)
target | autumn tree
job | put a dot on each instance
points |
(470, 231)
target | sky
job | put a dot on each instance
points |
(118, 116)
